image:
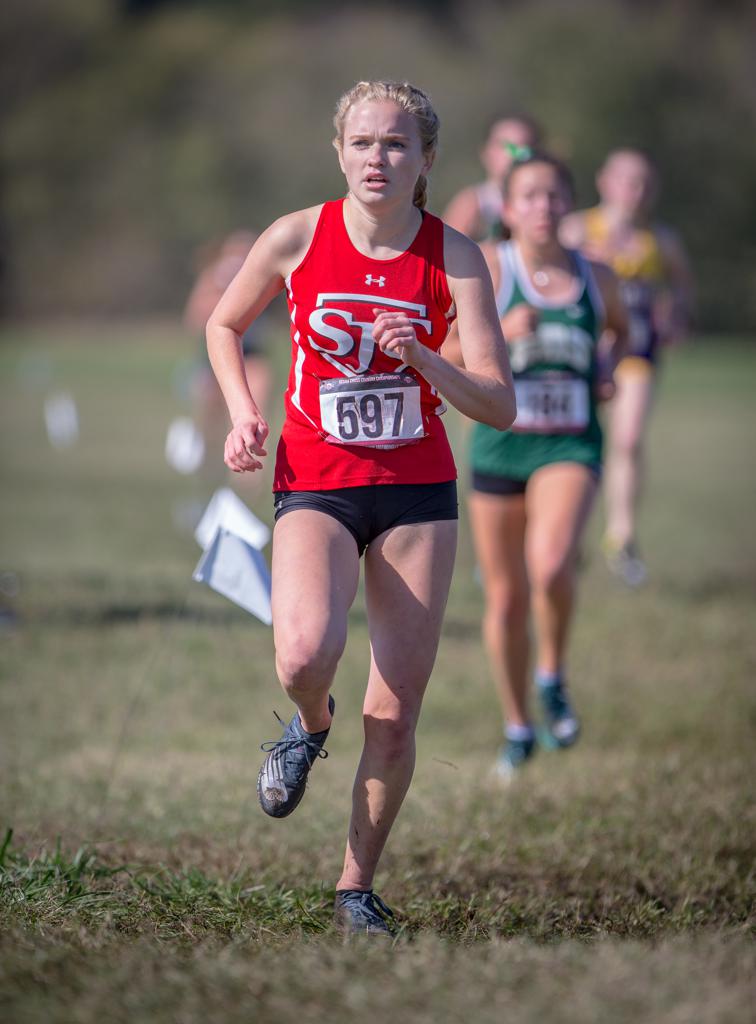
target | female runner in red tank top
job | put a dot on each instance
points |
(363, 465)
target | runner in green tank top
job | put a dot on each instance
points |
(533, 486)
(555, 371)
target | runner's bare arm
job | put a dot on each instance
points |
(452, 348)
(614, 341)
(679, 285)
(572, 230)
(202, 298)
(274, 255)
(482, 388)
(463, 213)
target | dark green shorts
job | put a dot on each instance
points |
(516, 456)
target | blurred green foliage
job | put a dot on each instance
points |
(132, 133)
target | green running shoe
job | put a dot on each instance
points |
(561, 728)
(513, 756)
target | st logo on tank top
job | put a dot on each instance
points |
(342, 389)
(365, 408)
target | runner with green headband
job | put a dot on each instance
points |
(477, 210)
(533, 486)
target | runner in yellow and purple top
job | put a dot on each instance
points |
(656, 286)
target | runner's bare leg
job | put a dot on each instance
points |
(407, 572)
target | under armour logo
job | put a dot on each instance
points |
(380, 281)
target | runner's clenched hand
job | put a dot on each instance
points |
(244, 445)
(519, 322)
(395, 335)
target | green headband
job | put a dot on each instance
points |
(518, 152)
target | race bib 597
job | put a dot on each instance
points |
(379, 410)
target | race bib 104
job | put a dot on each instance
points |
(551, 405)
(378, 410)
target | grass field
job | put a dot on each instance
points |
(141, 882)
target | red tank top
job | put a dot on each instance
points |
(355, 415)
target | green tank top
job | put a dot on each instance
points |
(554, 371)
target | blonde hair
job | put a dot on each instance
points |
(409, 99)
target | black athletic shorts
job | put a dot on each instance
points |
(369, 511)
(489, 483)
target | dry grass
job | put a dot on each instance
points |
(614, 882)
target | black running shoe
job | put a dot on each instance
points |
(283, 777)
(362, 913)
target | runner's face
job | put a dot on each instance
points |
(536, 202)
(381, 154)
(495, 157)
(627, 183)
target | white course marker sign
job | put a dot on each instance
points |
(238, 571)
(226, 509)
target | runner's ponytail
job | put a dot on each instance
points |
(420, 197)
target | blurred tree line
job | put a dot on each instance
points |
(135, 131)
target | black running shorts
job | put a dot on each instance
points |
(369, 511)
(487, 483)
(507, 486)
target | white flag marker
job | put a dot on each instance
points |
(228, 511)
(238, 571)
(61, 420)
(184, 446)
